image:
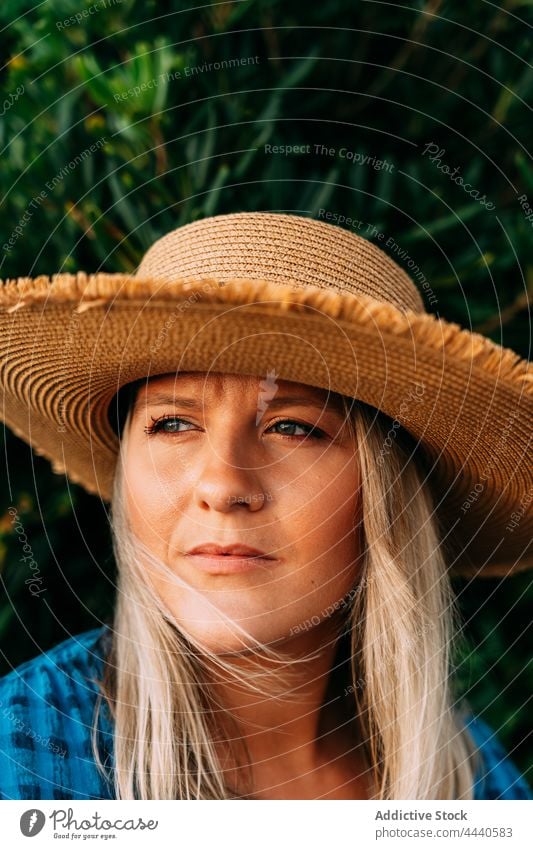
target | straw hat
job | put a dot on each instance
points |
(256, 293)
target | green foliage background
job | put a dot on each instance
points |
(377, 78)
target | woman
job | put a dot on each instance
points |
(297, 457)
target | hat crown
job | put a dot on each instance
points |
(280, 248)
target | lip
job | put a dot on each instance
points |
(228, 559)
(233, 549)
(228, 565)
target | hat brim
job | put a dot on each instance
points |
(68, 343)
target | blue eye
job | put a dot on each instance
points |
(160, 426)
(313, 432)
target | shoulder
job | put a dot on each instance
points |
(57, 674)
(76, 647)
(497, 777)
(47, 709)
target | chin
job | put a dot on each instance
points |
(229, 622)
(224, 636)
(221, 639)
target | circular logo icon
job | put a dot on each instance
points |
(32, 822)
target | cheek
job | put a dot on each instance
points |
(147, 500)
(326, 520)
(324, 540)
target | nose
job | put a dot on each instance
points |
(225, 481)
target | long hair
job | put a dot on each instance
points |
(396, 645)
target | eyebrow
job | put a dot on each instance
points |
(162, 399)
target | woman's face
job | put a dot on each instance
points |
(232, 459)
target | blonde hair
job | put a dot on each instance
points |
(399, 634)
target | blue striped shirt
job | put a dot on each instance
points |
(46, 714)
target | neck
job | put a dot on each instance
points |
(289, 729)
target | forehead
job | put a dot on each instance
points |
(214, 386)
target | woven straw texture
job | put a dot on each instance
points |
(252, 293)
